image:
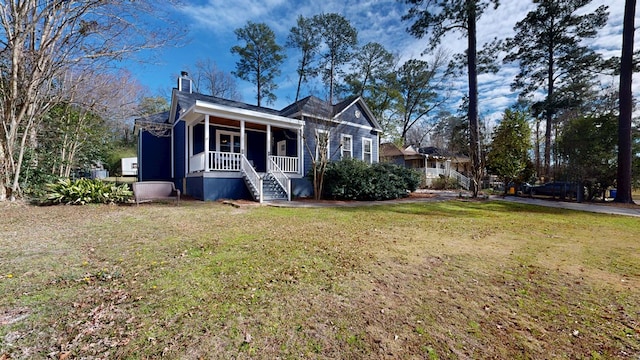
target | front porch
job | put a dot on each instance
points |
(264, 151)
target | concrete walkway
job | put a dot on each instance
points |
(434, 196)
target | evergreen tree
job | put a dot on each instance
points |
(260, 59)
(508, 155)
(420, 84)
(304, 36)
(553, 57)
(339, 38)
(439, 17)
(369, 66)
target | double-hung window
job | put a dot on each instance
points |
(346, 150)
(367, 150)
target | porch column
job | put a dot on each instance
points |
(268, 146)
(206, 143)
(300, 151)
(189, 148)
(242, 136)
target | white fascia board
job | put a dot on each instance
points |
(365, 108)
(226, 112)
(346, 123)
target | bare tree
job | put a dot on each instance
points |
(92, 107)
(320, 138)
(43, 40)
(208, 77)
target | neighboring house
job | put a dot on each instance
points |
(430, 161)
(129, 166)
(213, 148)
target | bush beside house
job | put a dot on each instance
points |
(352, 179)
(87, 191)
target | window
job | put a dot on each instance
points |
(367, 152)
(228, 141)
(346, 150)
(322, 145)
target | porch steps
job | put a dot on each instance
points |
(271, 190)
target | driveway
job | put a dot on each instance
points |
(590, 207)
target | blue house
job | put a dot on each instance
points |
(213, 148)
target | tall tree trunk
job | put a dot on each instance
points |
(623, 194)
(474, 127)
(549, 116)
(538, 162)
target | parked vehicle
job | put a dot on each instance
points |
(560, 189)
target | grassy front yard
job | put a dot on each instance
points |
(203, 280)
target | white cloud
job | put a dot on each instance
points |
(213, 22)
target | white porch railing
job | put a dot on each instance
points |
(282, 179)
(287, 164)
(432, 173)
(225, 161)
(252, 176)
(196, 162)
(462, 180)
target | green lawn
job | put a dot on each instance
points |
(455, 279)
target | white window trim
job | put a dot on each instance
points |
(342, 149)
(318, 132)
(370, 141)
(225, 132)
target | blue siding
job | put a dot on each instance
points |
(211, 189)
(154, 157)
(256, 148)
(179, 155)
(301, 187)
(357, 134)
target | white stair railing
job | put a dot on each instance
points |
(462, 180)
(282, 179)
(252, 176)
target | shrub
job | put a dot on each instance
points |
(352, 179)
(444, 183)
(86, 191)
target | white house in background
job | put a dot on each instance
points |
(129, 166)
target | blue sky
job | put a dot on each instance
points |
(211, 24)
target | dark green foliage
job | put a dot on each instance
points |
(86, 191)
(352, 179)
(305, 37)
(436, 18)
(508, 155)
(551, 49)
(588, 146)
(260, 59)
(339, 39)
(34, 178)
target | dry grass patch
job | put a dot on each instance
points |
(202, 280)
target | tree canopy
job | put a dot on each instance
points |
(260, 59)
(554, 59)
